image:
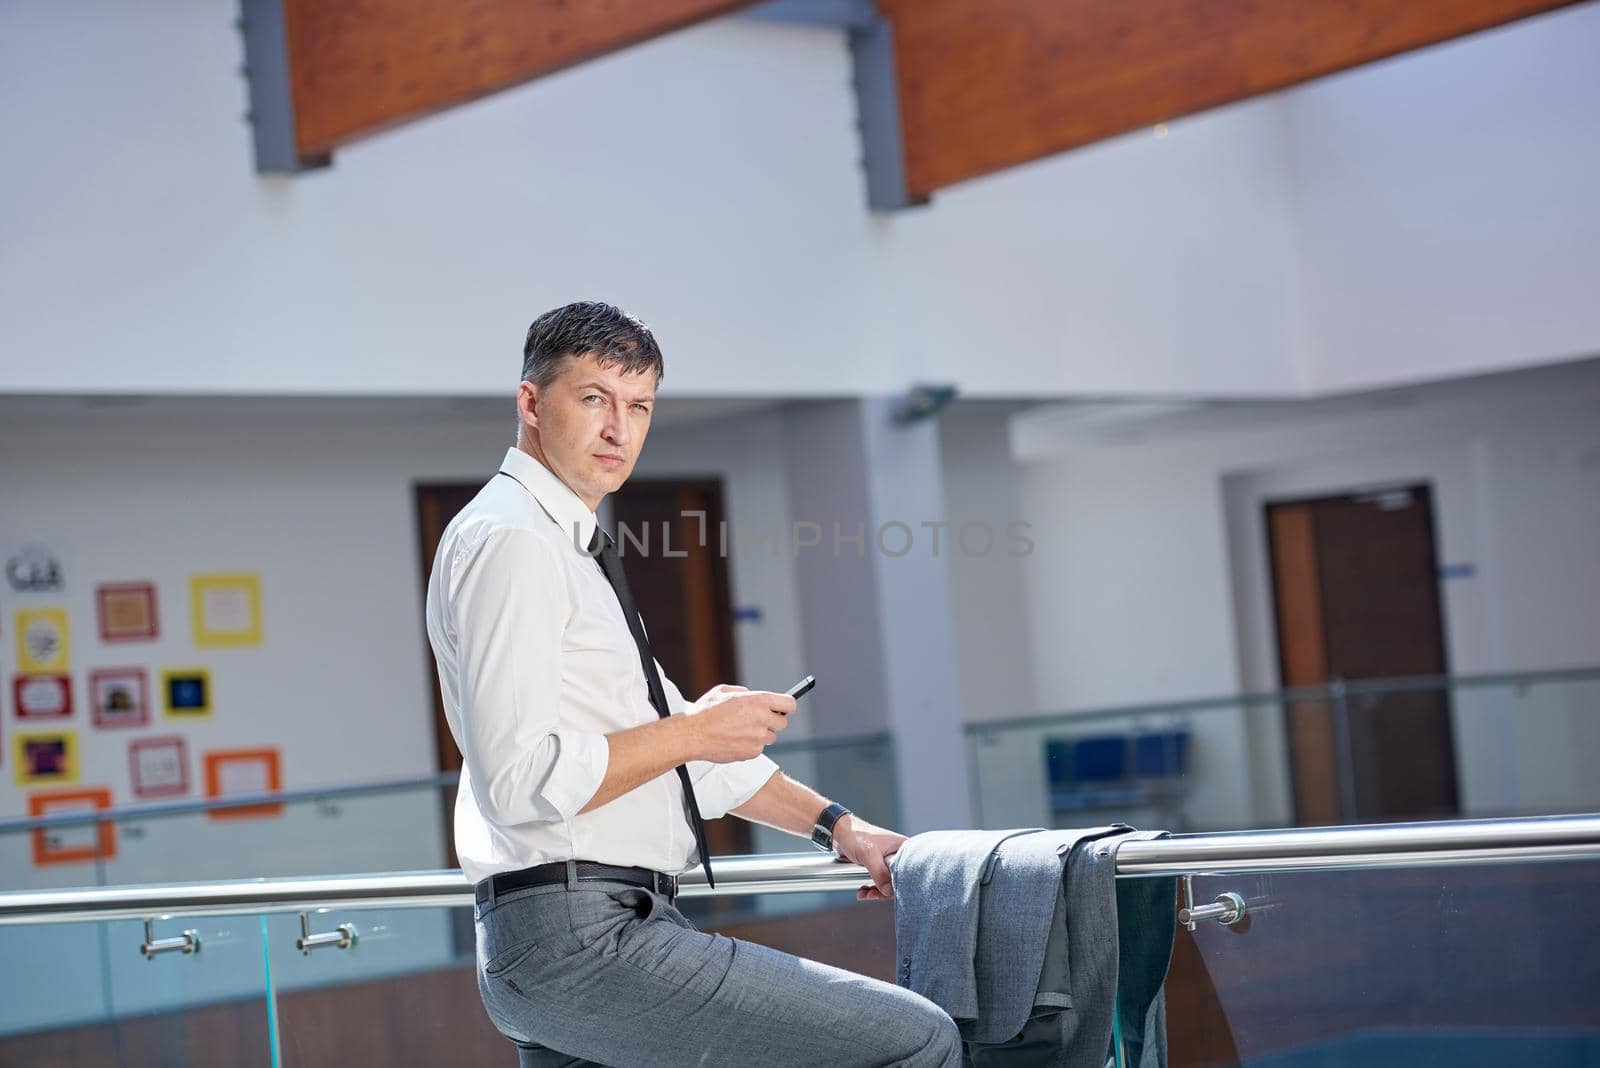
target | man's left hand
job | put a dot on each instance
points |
(869, 845)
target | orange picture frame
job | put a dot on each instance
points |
(216, 767)
(105, 839)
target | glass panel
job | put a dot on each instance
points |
(1375, 751)
(1180, 767)
(404, 992)
(388, 830)
(1525, 746)
(83, 993)
(1454, 967)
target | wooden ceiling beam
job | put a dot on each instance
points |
(324, 73)
(989, 84)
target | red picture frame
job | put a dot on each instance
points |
(120, 615)
(116, 718)
(137, 770)
(42, 698)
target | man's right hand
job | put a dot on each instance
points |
(731, 723)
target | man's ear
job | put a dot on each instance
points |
(527, 402)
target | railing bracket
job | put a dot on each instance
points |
(341, 937)
(187, 943)
(1228, 909)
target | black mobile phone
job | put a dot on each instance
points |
(801, 688)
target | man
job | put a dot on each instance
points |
(582, 796)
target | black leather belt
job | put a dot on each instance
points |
(496, 886)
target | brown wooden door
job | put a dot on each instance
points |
(1356, 592)
(437, 504)
(686, 599)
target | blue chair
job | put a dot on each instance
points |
(1118, 772)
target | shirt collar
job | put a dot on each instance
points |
(553, 495)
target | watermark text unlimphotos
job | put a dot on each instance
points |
(895, 538)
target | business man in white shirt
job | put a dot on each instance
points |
(587, 775)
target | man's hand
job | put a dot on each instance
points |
(869, 845)
(732, 723)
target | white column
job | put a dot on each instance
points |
(875, 614)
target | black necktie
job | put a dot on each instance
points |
(602, 547)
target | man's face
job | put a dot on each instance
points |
(589, 424)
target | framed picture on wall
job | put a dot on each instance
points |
(236, 772)
(42, 644)
(186, 693)
(45, 758)
(160, 766)
(119, 697)
(126, 611)
(38, 697)
(78, 842)
(226, 608)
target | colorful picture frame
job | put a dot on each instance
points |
(226, 609)
(43, 641)
(119, 697)
(159, 766)
(41, 697)
(44, 758)
(186, 693)
(75, 844)
(231, 772)
(126, 611)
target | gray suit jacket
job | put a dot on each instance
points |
(1015, 934)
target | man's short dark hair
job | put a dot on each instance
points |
(616, 338)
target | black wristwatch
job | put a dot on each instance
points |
(822, 833)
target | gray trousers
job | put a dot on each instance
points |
(612, 974)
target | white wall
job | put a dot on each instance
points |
(994, 646)
(324, 513)
(1296, 241)
(1158, 586)
(1445, 208)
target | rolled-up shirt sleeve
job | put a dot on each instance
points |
(509, 602)
(719, 788)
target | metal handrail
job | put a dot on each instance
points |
(1368, 846)
(1295, 849)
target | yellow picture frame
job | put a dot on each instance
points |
(32, 658)
(225, 609)
(27, 759)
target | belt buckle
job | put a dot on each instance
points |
(667, 884)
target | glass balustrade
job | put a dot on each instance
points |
(1481, 964)
(1354, 946)
(1358, 752)
(1454, 967)
(186, 990)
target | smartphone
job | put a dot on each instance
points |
(801, 688)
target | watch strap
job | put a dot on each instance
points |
(822, 833)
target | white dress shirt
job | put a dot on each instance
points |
(536, 666)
